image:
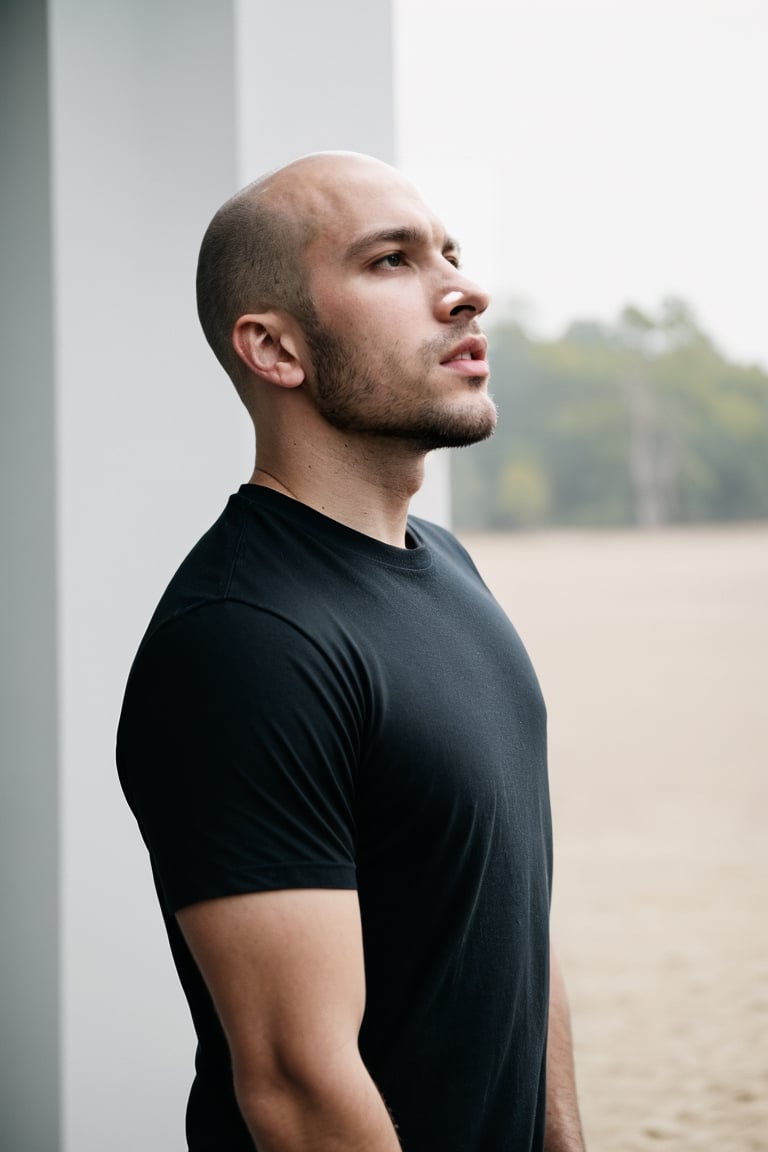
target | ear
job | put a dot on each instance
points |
(267, 346)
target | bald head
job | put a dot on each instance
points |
(252, 255)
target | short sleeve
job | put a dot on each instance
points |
(236, 751)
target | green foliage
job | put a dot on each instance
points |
(640, 422)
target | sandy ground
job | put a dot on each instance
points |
(652, 651)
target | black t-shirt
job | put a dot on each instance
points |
(313, 708)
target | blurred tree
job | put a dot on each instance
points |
(524, 495)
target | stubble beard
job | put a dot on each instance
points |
(346, 395)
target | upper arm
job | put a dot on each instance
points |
(237, 750)
(285, 971)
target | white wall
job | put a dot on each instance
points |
(122, 129)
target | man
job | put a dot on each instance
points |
(332, 738)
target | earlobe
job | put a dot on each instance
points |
(267, 349)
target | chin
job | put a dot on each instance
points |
(470, 426)
(456, 430)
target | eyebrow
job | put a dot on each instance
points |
(398, 236)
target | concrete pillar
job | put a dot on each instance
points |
(148, 442)
(29, 785)
(123, 125)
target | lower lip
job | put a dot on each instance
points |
(468, 367)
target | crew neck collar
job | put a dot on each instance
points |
(415, 555)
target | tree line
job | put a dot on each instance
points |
(640, 422)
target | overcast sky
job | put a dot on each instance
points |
(593, 152)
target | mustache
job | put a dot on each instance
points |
(443, 344)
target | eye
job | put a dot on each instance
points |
(391, 260)
(452, 258)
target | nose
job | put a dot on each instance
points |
(461, 297)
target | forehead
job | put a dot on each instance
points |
(343, 201)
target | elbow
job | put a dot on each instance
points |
(286, 1097)
(270, 1097)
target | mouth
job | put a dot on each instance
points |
(468, 358)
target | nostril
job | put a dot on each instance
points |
(460, 308)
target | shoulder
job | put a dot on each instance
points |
(227, 655)
(257, 554)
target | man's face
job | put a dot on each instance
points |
(395, 344)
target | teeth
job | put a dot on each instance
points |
(464, 356)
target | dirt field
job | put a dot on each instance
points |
(652, 649)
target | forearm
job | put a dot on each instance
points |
(331, 1109)
(563, 1130)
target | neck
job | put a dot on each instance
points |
(366, 486)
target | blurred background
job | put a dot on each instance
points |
(605, 166)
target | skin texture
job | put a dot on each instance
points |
(349, 384)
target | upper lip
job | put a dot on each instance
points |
(476, 346)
